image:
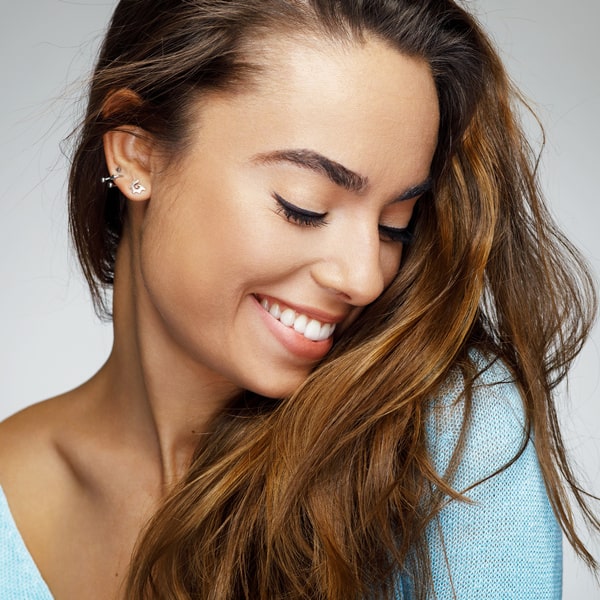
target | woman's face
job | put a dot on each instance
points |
(284, 217)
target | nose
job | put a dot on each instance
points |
(352, 267)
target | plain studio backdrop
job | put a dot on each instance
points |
(50, 339)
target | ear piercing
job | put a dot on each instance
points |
(136, 187)
(111, 179)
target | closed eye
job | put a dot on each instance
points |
(297, 215)
(403, 235)
(308, 218)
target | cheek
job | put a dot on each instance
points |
(391, 255)
(205, 251)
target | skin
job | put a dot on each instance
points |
(204, 242)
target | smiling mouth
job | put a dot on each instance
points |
(310, 328)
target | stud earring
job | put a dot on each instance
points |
(136, 187)
(111, 179)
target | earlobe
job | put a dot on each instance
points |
(128, 159)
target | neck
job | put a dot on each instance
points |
(157, 392)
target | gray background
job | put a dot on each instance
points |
(50, 339)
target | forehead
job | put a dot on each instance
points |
(364, 104)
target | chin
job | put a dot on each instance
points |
(282, 387)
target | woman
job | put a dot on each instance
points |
(324, 236)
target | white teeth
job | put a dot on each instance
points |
(313, 330)
(300, 323)
(310, 328)
(274, 310)
(326, 331)
(288, 316)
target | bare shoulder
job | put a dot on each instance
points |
(30, 460)
(48, 454)
(26, 439)
(36, 473)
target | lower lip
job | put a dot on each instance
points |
(291, 340)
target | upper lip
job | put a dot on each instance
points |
(312, 313)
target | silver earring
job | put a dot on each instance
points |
(136, 187)
(111, 179)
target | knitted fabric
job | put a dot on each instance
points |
(505, 545)
(19, 576)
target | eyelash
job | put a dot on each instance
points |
(403, 235)
(299, 216)
(307, 218)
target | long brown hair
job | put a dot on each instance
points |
(287, 498)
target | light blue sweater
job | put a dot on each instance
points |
(19, 577)
(506, 545)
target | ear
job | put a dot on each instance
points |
(128, 151)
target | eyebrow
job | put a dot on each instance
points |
(334, 171)
(415, 190)
(309, 159)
